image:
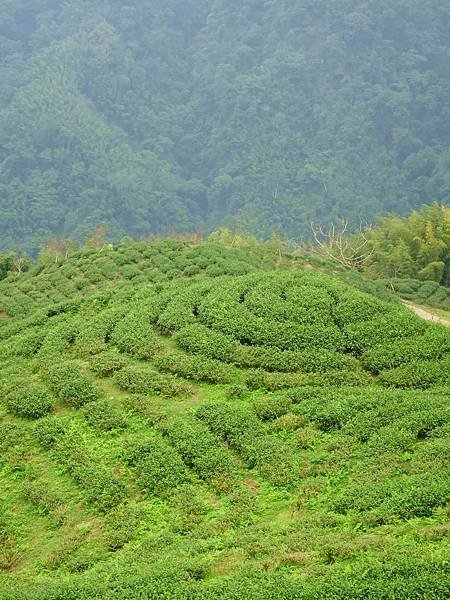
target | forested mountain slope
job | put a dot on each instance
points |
(185, 114)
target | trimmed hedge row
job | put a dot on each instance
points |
(245, 433)
(30, 402)
(142, 380)
(198, 368)
(158, 466)
(433, 344)
(70, 384)
(418, 374)
(106, 364)
(134, 334)
(102, 489)
(201, 451)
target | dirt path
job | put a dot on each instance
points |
(425, 314)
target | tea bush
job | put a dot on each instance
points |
(198, 339)
(142, 380)
(135, 335)
(417, 374)
(101, 415)
(200, 450)
(198, 368)
(158, 466)
(107, 363)
(70, 384)
(30, 402)
(433, 344)
(102, 489)
(271, 408)
(247, 435)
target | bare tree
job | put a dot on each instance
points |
(351, 252)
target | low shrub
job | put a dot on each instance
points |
(199, 339)
(200, 450)
(102, 489)
(159, 467)
(70, 384)
(101, 415)
(236, 391)
(433, 344)
(271, 408)
(142, 380)
(249, 437)
(30, 402)
(417, 374)
(198, 368)
(107, 363)
(134, 334)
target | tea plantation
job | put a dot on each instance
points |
(192, 422)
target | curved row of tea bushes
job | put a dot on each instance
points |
(198, 338)
(144, 380)
(419, 374)
(158, 466)
(245, 433)
(106, 364)
(433, 344)
(70, 384)
(102, 489)
(197, 368)
(29, 401)
(201, 451)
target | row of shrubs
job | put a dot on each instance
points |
(158, 466)
(245, 433)
(201, 451)
(102, 489)
(198, 368)
(409, 577)
(433, 344)
(70, 384)
(29, 401)
(144, 380)
(419, 374)
(200, 339)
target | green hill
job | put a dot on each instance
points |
(179, 115)
(194, 422)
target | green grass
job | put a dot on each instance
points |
(306, 481)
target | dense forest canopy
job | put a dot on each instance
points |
(189, 114)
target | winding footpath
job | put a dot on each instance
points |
(425, 314)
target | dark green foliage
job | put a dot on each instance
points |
(200, 451)
(246, 434)
(418, 374)
(70, 384)
(30, 402)
(433, 344)
(142, 380)
(107, 363)
(198, 368)
(101, 415)
(271, 408)
(177, 165)
(158, 466)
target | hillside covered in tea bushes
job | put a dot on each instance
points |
(179, 115)
(195, 422)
